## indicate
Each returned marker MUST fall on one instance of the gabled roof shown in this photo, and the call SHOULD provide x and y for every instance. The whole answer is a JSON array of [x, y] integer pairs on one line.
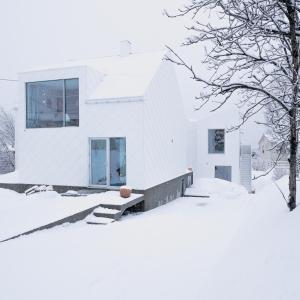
[[268, 137], [123, 77]]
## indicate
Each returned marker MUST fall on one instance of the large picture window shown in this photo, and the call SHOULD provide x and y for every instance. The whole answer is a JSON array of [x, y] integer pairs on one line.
[[53, 103], [216, 140]]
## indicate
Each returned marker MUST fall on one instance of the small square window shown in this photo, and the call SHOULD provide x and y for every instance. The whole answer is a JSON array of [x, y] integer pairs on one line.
[[216, 140]]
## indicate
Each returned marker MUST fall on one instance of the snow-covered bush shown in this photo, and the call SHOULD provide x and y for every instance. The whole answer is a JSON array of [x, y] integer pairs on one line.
[[258, 164], [7, 141]]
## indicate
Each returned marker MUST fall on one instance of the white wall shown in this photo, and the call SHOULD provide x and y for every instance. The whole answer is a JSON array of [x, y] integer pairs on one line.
[[206, 162], [155, 131], [165, 128], [191, 150], [61, 155]]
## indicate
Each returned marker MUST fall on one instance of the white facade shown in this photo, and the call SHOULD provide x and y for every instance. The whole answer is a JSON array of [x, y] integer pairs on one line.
[[164, 128], [129, 96], [204, 163]]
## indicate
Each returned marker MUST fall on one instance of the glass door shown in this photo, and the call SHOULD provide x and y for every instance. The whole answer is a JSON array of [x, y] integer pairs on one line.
[[98, 163], [117, 164], [108, 161]]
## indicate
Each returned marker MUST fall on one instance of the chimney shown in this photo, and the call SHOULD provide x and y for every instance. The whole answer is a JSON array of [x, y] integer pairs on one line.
[[125, 48]]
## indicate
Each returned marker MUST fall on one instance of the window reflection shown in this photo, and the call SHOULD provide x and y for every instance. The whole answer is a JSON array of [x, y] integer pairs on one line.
[[117, 161], [53, 103]]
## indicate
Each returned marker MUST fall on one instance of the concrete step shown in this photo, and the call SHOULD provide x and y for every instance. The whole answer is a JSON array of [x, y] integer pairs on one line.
[[102, 212], [91, 191], [112, 206], [93, 220]]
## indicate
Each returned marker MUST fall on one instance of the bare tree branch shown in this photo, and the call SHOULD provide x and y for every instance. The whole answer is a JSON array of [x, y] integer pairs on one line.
[[253, 56]]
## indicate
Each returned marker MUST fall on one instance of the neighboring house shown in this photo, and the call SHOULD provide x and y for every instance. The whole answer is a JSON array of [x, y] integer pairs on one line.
[[213, 151], [113, 121], [268, 153]]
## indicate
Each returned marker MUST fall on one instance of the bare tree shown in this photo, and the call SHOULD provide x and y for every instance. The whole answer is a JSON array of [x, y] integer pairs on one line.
[[252, 55], [7, 136]]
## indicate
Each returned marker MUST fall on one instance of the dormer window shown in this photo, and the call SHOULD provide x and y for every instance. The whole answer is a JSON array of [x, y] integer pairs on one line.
[[53, 103]]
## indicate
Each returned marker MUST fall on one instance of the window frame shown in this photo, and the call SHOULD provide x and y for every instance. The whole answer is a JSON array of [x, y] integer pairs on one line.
[[208, 150], [63, 104]]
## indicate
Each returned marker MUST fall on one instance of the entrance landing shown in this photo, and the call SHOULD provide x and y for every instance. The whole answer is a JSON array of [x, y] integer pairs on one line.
[[112, 207]]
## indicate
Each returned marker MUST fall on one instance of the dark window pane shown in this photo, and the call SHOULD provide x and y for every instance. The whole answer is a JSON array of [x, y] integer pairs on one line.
[[72, 102], [117, 161], [44, 104], [216, 140]]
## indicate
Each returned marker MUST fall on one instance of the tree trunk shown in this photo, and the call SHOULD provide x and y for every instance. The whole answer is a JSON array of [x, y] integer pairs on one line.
[[293, 21], [293, 160]]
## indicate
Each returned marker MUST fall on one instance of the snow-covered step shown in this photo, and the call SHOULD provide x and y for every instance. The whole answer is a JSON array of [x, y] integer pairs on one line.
[[91, 219], [104, 212]]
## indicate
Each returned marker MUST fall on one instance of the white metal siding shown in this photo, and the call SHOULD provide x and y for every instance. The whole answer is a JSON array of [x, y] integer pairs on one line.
[[191, 151], [165, 128], [206, 162], [61, 155]]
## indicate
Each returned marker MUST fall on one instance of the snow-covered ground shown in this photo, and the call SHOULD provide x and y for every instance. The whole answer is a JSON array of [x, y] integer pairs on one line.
[[231, 246], [20, 213]]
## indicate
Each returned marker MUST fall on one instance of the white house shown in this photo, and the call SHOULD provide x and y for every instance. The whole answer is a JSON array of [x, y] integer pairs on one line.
[[103, 123], [267, 150], [269, 153], [106, 122]]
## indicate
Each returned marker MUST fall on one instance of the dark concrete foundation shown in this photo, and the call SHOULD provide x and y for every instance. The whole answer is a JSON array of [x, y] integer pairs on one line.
[[165, 192]]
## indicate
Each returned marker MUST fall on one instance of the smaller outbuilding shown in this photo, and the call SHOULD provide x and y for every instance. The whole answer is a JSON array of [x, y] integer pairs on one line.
[[216, 151]]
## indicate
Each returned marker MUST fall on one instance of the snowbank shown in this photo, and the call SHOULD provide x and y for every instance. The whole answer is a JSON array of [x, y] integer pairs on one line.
[[217, 187]]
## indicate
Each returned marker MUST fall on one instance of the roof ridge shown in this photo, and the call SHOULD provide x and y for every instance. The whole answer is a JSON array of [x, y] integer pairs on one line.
[[114, 55]]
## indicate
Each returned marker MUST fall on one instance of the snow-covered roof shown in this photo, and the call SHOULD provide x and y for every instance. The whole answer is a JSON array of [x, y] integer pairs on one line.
[[123, 77]]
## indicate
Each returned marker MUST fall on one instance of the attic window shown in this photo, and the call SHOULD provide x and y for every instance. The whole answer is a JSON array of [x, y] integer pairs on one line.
[[53, 103]]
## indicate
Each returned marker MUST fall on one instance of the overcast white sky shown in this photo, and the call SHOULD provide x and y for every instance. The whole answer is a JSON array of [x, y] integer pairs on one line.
[[39, 32]]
